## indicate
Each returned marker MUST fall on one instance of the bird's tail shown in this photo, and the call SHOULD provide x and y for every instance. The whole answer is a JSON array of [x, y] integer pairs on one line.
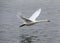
[[22, 25]]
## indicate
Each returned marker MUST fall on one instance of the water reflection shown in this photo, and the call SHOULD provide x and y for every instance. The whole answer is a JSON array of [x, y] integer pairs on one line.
[[24, 38]]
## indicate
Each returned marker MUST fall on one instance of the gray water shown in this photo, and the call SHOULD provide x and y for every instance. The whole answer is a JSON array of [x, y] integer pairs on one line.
[[44, 32]]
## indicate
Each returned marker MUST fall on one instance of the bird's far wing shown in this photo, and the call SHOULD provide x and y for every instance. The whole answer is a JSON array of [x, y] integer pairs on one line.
[[35, 15], [25, 19]]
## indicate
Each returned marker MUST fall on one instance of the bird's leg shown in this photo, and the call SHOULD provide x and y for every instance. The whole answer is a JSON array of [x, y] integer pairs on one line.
[[22, 25]]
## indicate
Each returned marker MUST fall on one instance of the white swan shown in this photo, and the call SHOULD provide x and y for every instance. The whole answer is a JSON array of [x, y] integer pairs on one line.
[[32, 19]]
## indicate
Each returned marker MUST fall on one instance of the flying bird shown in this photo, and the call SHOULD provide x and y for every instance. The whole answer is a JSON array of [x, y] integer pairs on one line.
[[32, 20]]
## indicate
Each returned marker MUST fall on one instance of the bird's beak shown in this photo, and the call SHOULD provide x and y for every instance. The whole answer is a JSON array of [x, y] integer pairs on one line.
[[48, 21]]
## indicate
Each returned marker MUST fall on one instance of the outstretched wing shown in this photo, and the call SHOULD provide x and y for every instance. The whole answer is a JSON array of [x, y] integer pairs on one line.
[[25, 20], [35, 15]]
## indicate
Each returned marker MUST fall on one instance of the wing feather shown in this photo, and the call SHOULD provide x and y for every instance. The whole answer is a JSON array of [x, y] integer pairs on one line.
[[25, 19], [35, 15]]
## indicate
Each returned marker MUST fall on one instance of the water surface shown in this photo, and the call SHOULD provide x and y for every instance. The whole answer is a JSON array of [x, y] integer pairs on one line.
[[10, 32]]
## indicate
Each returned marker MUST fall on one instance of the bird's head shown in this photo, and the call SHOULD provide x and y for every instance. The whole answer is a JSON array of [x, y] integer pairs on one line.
[[47, 20]]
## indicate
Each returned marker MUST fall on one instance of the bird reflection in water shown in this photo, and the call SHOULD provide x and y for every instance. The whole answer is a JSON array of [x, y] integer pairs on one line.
[[27, 39]]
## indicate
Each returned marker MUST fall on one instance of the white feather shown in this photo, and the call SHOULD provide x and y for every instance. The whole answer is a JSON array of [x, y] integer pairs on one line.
[[35, 15], [32, 19]]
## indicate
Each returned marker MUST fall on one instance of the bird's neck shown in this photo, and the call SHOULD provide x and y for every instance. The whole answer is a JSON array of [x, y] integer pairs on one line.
[[43, 20]]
